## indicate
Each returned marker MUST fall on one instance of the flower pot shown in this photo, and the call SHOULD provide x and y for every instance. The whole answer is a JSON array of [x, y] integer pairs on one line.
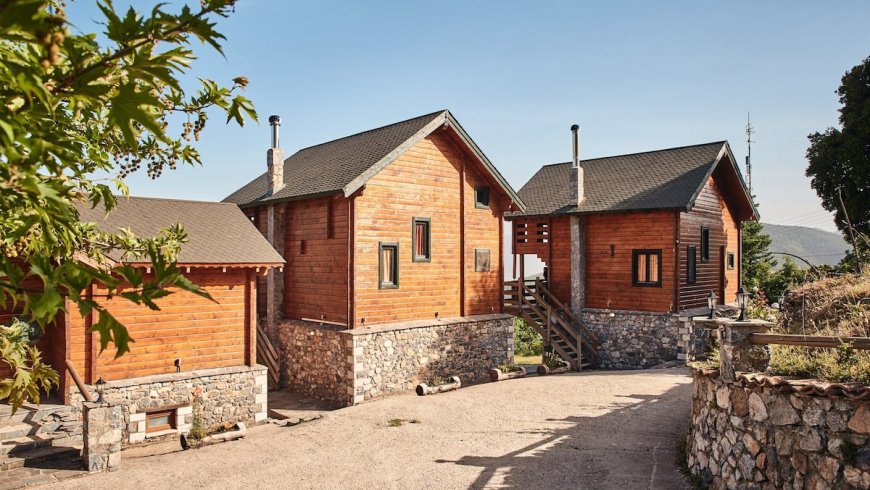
[[423, 389], [544, 370]]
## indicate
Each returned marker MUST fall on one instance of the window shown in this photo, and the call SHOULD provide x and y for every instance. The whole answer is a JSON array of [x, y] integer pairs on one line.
[[330, 220], [730, 260], [705, 244], [482, 261], [422, 240], [691, 265], [646, 267], [159, 421], [481, 197], [388, 265]]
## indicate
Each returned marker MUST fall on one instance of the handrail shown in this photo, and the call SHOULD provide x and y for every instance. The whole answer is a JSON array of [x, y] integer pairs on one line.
[[78, 381], [862, 343], [566, 327], [561, 306]]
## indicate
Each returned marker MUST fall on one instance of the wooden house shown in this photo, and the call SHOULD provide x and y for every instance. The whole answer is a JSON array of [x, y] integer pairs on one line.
[[631, 243], [192, 347], [397, 224]]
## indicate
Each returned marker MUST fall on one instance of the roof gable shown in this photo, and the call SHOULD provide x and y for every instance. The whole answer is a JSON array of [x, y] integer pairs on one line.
[[662, 179], [346, 164], [218, 233]]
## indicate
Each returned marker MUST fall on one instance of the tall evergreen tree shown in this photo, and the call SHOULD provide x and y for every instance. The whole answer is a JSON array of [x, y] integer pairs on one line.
[[758, 262]]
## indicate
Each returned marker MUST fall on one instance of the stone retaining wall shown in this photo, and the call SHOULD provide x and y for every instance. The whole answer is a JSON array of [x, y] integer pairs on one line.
[[758, 436], [350, 366], [636, 339], [227, 395]]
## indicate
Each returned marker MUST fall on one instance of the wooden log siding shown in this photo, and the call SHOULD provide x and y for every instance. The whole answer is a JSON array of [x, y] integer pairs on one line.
[[710, 211], [200, 332], [315, 248], [483, 290], [608, 278]]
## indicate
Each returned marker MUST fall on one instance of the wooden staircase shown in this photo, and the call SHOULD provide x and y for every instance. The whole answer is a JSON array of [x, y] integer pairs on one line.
[[562, 330]]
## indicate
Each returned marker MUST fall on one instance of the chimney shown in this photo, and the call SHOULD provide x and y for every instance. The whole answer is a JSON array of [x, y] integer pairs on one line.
[[275, 159], [577, 192]]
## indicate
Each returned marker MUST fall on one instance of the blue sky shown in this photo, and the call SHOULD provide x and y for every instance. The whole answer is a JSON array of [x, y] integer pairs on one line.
[[636, 75]]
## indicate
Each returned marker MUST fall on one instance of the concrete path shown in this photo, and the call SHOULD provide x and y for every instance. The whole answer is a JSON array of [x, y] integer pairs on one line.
[[593, 430]]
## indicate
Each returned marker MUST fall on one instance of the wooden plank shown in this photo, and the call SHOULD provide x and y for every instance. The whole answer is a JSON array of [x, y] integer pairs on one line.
[[809, 340]]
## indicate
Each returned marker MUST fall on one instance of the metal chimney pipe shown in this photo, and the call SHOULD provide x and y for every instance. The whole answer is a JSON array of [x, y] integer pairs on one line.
[[575, 130], [275, 122]]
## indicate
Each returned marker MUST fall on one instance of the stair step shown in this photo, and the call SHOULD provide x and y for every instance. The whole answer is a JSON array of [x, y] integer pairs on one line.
[[25, 443], [16, 430], [39, 455]]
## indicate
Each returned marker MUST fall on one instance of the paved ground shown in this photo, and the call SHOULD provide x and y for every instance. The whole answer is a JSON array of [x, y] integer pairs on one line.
[[592, 430]]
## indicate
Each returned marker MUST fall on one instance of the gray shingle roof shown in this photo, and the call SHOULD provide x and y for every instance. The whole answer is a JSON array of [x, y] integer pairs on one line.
[[218, 233], [329, 167], [663, 179]]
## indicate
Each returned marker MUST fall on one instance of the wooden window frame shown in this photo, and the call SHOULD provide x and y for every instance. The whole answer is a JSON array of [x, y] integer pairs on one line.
[[477, 201], [691, 264], [381, 247], [730, 261], [428, 256], [477, 267], [705, 244], [149, 429], [634, 255]]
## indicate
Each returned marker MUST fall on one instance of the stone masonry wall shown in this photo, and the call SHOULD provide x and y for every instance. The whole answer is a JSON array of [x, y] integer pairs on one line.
[[350, 366], [636, 339], [227, 395], [316, 360], [753, 435]]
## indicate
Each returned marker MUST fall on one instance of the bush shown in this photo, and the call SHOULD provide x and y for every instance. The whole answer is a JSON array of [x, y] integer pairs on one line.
[[527, 342]]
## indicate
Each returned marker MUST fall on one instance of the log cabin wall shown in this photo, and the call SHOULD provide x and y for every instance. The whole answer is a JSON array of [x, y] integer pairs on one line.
[[609, 274], [483, 231], [315, 248], [259, 216], [202, 333], [710, 211]]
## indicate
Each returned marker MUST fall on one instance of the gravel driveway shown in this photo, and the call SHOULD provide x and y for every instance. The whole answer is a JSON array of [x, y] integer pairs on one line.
[[607, 429]]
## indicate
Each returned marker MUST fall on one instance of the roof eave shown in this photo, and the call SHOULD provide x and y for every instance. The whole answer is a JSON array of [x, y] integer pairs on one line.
[[725, 150]]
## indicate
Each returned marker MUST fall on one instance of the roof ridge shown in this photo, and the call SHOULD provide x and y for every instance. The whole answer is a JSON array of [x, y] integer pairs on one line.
[[641, 152], [151, 198], [369, 131]]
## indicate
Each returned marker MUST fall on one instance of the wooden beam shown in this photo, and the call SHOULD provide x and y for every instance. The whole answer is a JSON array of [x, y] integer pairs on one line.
[[250, 318], [92, 340], [462, 250], [809, 340]]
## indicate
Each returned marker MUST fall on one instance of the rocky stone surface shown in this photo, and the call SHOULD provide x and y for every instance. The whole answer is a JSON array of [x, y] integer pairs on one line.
[[635, 339], [765, 437], [351, 366], [226, 396], [103, 429]]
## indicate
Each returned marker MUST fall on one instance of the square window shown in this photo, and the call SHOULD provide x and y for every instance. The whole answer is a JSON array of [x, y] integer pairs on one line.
[[388, 265], [691, 265], [646, 267], [705, 244], [421, 239], [482, 261], [481, 197], [159, 421], [731, 260]]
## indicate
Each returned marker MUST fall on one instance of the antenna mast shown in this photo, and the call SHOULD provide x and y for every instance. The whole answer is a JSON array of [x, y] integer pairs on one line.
[[749, 131]]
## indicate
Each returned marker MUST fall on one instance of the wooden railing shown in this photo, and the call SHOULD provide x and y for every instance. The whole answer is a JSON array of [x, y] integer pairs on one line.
[[550, 298], [809, 340], [267, 355]]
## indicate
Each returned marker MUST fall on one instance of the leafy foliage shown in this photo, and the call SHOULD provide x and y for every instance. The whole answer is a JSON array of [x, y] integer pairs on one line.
[[527, 342], [758, 263], [839, 159], [72, 108], [30, 375]]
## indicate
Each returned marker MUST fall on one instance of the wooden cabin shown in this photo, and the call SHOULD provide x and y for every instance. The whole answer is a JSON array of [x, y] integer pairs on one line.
[[396, 224], [635, 236], [190, 341]]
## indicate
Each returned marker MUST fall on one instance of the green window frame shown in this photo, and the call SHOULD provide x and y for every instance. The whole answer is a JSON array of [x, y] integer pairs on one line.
[[388, 265], [421, 239]]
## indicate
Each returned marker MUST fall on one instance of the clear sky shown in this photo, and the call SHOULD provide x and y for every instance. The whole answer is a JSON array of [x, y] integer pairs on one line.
[[636, 75]]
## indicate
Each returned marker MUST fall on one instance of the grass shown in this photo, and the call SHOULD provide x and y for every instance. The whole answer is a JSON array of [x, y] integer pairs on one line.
[[400, 422], [534, 360]]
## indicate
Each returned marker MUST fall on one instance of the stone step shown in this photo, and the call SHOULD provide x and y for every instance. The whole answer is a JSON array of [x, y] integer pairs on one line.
[[17, 430], [39, 455], [25, 443], [35, 413]]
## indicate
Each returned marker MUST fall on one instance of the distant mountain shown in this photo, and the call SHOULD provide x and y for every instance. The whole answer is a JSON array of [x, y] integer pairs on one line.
[[817, 246]]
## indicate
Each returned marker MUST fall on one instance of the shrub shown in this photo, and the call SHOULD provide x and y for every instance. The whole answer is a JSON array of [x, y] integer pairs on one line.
[[527, 342]]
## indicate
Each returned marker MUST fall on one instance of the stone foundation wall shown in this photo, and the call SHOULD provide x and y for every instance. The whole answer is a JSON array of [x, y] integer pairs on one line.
[[316, 360], [226, 395], [752, 435], [636, 339], [350, 366]]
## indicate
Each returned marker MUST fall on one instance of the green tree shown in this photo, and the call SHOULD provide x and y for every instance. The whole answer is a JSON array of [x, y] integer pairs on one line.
[[78, 106], [839, 160], [758, 263], [783, 279]]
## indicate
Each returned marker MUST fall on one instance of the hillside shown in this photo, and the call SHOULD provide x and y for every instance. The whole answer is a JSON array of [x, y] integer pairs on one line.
[[817, 246]]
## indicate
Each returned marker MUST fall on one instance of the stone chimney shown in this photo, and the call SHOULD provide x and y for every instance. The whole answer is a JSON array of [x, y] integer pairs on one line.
[[275, 159], [577, 190]]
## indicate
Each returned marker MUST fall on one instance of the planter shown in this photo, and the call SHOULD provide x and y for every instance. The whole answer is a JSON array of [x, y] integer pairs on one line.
[[423, 389], [499, 375], [544, 370], [238, 432]]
